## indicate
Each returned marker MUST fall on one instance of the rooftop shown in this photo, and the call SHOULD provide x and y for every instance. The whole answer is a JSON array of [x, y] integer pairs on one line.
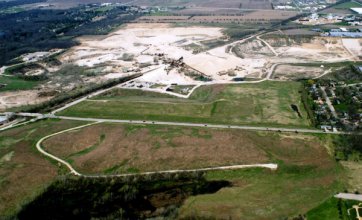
[[358, 10]]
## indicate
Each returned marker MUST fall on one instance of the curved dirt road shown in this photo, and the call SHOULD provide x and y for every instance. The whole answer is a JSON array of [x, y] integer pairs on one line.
[[40, 149]]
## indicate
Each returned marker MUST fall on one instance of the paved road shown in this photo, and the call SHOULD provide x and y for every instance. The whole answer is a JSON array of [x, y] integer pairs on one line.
[[241, 127], [329, 103], [95, 93], [75, 172], [253, 128], [349, 196], [15, 123]]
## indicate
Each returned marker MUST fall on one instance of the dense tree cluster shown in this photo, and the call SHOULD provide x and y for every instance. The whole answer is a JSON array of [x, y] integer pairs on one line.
[[130, 197], [45, 29]]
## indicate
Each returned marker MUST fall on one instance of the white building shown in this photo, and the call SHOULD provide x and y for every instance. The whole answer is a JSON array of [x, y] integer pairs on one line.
[[357, 10]]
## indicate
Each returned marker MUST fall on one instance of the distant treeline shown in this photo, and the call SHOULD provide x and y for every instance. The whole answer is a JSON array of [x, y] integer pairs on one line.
[[8, 4], [39, 30]]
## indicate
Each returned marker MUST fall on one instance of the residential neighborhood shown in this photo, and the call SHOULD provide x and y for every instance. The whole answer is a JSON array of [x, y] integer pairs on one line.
[[336, 105]]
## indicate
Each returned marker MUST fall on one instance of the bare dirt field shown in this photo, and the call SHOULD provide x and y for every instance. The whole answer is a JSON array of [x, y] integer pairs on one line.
[[254, 49], [111, 148], [151, 47], [140, 46], [137, 40], [291, 72], [354, 46], [308, 49], [19, 98]]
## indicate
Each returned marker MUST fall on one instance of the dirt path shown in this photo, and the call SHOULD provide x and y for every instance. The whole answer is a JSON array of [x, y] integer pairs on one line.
[[325, 73], [350, 196], [268, 45], [40, 149]]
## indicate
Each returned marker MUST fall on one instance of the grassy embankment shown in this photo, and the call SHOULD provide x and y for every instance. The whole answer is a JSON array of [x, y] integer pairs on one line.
[[348, 5], [264, 104], [25, 173], [14, 83]]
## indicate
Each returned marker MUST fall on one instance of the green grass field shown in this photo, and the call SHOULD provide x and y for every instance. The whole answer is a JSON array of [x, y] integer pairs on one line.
[[334, 209], [267, 103], [24, 172], [307, 174], [348, 5], [176, 147], [13, 84], [12, 10], [262, 194]]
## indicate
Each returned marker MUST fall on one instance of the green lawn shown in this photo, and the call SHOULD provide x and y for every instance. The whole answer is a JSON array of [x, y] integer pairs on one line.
[[267, 103], [13, 84]]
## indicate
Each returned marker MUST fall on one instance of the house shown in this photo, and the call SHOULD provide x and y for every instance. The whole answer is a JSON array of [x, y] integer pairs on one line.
[[326, 127]]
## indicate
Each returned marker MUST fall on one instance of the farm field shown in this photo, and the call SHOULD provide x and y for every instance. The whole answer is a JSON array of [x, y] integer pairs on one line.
[[237, 4], [305, 167], [262, 16], [138, 148], [24, 173], [267, 103]]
